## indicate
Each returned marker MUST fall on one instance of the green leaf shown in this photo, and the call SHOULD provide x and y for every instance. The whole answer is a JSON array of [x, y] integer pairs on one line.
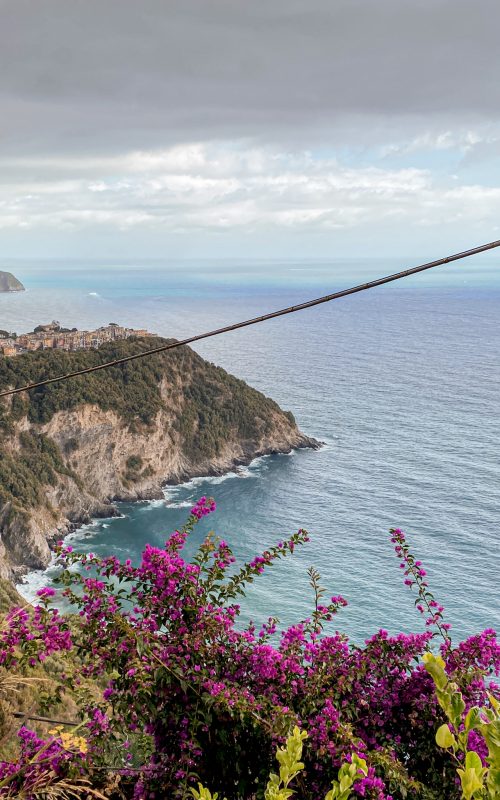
[[445, 738], [470, 781], [473, 718], [457, 707], [494, 702], [472, 761], [493, 782], [435, 667], [360, 763]]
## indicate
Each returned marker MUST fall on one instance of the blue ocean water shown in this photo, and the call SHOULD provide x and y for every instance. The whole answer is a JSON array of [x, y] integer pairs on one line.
[[401, 383]]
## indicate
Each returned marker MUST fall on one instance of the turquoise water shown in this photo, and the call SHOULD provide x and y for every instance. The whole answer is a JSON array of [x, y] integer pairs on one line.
[[402, 384]]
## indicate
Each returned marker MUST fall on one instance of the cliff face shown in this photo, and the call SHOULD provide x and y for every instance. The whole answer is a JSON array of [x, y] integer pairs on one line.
[[60, 471], [8, 283]]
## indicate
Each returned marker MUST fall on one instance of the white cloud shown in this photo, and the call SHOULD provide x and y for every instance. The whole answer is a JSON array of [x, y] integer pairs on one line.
[[462, 141], [215, 187]]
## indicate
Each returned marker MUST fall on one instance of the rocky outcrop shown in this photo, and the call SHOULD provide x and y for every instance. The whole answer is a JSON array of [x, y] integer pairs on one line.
[[101, 456], [8, 283]]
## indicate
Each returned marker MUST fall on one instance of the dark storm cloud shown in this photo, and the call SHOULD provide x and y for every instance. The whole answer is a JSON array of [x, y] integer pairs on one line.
[[89, 76]]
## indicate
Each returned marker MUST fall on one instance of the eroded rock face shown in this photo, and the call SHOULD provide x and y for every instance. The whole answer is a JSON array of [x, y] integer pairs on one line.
[[107, 459]]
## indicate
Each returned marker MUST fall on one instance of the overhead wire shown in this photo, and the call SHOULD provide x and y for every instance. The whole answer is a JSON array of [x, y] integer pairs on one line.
[[38, 718], [255, 320]]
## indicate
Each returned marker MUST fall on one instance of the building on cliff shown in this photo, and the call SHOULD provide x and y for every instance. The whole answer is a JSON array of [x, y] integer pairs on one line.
[[53, 337]]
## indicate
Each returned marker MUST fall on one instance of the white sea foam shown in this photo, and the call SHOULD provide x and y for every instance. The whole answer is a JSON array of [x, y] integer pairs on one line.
[[244, 472], [39, 578], [214, 480], [36, 580], [148, 504], [84, 532], [31, 583], [329, 442]]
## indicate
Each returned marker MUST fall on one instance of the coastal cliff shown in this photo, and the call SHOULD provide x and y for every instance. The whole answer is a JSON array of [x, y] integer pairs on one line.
[[69, 450], [9, 283]]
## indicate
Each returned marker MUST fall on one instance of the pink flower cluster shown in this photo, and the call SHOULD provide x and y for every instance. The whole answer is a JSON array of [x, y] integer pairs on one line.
[[202, 507], [32, 634], [415, 575], [186, 672], [40, 761]]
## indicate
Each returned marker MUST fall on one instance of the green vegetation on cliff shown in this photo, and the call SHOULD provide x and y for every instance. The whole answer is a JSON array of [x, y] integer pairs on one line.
[[9, 598], [205, 409], [25, 472], [213, 398]]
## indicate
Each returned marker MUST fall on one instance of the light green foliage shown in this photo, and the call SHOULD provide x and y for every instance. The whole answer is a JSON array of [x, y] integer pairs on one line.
[[490, 730], [203, 794], [290, 765], [445, 738], [477, 782], [348, 774], [472, 776]]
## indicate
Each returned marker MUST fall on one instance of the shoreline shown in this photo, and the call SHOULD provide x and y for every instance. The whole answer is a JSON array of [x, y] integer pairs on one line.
[[28, 577]]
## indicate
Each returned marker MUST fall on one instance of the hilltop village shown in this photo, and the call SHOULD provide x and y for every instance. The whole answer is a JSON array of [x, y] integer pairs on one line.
[[54, 337]]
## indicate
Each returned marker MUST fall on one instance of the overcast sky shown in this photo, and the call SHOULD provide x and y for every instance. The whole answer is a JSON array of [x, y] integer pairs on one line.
[[269, 128]]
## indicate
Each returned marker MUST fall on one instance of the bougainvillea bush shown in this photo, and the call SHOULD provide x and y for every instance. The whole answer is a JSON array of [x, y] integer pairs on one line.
[[187, 696]]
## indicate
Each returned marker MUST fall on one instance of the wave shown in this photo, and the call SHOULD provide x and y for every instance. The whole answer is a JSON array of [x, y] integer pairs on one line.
[[329, 443], [240, 472], [91, 528], [36, 580], [147, 504], [174, 497]]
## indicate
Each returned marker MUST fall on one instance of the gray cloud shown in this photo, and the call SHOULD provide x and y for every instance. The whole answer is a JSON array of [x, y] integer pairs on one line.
[[89, 76], [292, 125]]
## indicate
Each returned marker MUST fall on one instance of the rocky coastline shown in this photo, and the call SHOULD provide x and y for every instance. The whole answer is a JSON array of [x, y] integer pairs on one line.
[[63, 469], [109, 510], [74, 517]]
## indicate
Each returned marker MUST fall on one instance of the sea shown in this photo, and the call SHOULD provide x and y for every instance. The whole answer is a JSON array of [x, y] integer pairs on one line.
[[402, 386]]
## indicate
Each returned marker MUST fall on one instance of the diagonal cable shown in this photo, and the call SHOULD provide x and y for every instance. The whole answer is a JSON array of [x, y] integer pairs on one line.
[[362, 287]]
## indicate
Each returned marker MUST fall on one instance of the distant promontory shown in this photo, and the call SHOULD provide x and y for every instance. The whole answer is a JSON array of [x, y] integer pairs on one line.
[[8, 283]]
